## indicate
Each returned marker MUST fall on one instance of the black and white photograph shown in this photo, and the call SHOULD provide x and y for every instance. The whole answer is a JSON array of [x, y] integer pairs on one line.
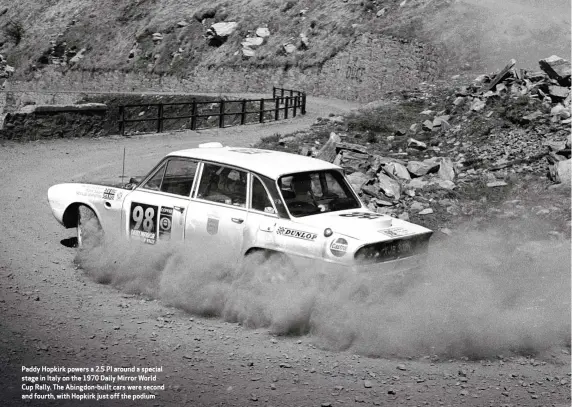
[[285, 203]]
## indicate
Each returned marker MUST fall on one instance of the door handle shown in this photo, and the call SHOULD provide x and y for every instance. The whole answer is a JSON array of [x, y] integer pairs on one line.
[[237, 220], [179, 208]]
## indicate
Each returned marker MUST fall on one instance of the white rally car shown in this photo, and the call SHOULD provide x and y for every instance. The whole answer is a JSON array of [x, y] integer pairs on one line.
[[246, 200]]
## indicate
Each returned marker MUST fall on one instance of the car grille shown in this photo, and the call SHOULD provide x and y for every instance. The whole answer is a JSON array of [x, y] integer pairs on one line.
[[393, 249]]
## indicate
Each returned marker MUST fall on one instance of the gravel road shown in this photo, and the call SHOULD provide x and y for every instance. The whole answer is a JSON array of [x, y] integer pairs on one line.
[[54, 315]]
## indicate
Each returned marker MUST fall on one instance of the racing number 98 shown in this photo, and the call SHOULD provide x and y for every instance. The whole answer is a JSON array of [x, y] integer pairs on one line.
[[143, 217]]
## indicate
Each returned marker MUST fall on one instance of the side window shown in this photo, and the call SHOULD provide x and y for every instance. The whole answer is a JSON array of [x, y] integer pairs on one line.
[[223, 184], [260, 200], [154, 183], [179, 176]]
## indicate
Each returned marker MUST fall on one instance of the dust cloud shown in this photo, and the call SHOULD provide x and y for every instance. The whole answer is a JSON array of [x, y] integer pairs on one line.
[[486, 34], [480, 295]]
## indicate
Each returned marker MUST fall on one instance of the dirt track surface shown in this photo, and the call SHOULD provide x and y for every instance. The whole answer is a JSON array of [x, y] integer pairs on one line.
[[53, 315]]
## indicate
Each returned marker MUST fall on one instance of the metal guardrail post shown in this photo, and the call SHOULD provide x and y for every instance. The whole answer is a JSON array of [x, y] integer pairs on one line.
[[286, 107], [122, 120], [274, 92], [221, 114], [295, 106], [159, 118], [282, 94], [303, 108], [243, 112], [261, 117], [194, 115], [277, 109]]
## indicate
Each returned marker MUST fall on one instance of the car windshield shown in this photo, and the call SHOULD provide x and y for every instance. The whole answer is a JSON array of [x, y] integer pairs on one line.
[[309, 193]]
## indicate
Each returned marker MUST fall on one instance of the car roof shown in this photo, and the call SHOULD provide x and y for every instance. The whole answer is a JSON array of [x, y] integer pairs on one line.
[[270, 163]]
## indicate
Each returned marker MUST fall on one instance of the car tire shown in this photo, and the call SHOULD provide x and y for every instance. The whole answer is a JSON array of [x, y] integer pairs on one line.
[[89, 231]]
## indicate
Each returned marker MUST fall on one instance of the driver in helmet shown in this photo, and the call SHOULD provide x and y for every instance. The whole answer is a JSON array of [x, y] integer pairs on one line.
[[302, 187]]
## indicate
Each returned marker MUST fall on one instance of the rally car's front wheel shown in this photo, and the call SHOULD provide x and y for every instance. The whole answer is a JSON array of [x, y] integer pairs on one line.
[[266, 266], [89, 232]]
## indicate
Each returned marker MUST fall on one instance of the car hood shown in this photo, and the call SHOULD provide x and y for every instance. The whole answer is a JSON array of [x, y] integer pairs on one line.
[[364, 225]]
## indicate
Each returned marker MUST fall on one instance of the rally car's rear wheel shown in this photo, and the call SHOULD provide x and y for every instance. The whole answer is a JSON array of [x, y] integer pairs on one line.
[[89, 232]]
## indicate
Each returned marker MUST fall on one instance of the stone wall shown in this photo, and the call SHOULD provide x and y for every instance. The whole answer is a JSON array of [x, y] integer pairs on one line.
[[55, 121], [366, 69]]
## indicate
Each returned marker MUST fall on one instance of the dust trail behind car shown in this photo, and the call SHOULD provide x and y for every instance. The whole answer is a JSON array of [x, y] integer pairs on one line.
[[480, 295]]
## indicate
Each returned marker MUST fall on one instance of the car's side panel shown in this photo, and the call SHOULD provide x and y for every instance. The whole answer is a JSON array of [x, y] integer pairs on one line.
[[216, 226]]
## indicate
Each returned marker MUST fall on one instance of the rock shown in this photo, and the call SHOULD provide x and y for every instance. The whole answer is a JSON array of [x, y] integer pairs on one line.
[[182, 24], [460, 100], [559, 92], [561, 172], [157, 37], [477, 105], [389, 186], [414, 127], [494, 184], [367, 384], [328, 151], [428, 125], [416, 206], [427, 112], [404, 216], [399, 170], [262, 32], [351, 146], [446, 169], [357, 180], [304, 41], [437, 121], [285, 365], [353, 161], [426, 211], [248, 52], [252, 42], [224, 29], [417, 183], [446, 231], [77, 56], [381, 12], [556, 68], [445, 184], [374, 192], [533, 116], [411, 142], [560, 112], [289, 48], [419, 168]]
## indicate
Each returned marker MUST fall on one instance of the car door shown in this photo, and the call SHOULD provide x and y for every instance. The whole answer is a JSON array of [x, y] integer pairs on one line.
[[157, 208], [217, 213], [262, 217]]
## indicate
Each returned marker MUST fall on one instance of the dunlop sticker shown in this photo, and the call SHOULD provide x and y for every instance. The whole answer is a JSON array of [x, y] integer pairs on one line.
[[296, 233]]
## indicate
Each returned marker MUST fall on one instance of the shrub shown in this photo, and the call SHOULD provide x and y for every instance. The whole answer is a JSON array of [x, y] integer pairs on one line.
[[14, 31]]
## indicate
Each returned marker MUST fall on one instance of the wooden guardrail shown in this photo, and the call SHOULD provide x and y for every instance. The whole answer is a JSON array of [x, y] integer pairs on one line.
[[203, 114]]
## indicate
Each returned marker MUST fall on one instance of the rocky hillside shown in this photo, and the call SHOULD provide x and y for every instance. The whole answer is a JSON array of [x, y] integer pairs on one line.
[[492, 151], [354, 49]]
